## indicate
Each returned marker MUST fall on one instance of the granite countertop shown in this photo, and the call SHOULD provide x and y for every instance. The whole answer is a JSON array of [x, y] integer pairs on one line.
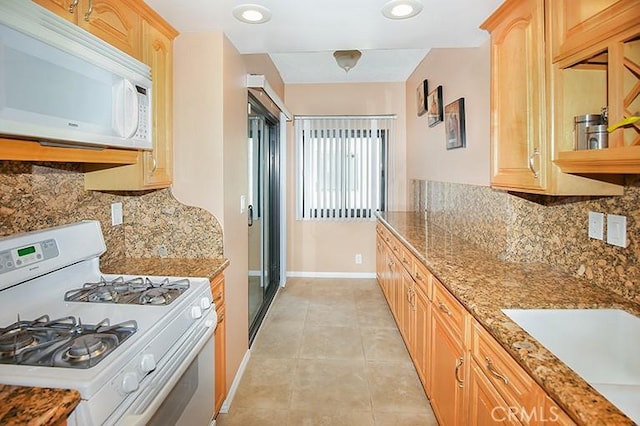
[[43, 406], [177, 267], [485, 285], [22, 405]]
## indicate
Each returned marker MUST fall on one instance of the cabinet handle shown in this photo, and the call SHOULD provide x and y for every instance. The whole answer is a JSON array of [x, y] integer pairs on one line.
[[459, 363], [73, 5], [418, 276], [494, 372], [218, 297], [155, 163], [531, 166], [444, 308], [220, 318], [89, 11]]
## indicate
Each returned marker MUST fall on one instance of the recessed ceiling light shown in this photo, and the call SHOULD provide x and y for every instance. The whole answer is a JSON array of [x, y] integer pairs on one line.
[[401, 9], [252, 13]]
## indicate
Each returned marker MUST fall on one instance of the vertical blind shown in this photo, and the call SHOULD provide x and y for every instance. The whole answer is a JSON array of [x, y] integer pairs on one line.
[[342, 166]]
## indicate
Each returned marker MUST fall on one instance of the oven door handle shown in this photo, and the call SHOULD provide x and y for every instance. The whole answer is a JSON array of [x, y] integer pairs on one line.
[[162, 384]]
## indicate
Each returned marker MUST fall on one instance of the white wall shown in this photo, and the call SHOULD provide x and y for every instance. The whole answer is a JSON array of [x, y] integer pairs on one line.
[[463, 72]]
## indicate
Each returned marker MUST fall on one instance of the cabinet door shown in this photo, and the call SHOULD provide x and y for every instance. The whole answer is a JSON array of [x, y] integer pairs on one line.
[[518, 113], [61, 8], [220, 337], [407, 310], [486, 406], [422, 343], [113, 21], [447, 374], [158, 54]]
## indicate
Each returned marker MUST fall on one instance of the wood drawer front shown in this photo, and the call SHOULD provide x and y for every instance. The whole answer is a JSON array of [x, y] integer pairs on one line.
[[217, 290], [516, 387], [423, 278], [448, 308]]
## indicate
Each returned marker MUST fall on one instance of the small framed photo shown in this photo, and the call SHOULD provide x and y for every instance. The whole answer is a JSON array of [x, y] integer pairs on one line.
[[454, 124], [421, 95], [434, 106]]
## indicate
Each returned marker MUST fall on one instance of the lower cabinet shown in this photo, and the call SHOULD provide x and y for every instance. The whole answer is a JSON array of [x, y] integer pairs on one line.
[[220, 337], [468, 376], [447, 373]]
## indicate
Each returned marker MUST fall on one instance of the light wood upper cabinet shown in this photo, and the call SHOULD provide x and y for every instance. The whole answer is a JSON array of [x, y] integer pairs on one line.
[[114, 21], [526, 103], [153, 169], [517, 96], [597, 63]]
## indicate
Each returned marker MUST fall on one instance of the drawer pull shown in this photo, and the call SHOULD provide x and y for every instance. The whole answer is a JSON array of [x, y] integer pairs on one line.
[[220, 319], [444, 308], [459, 363], [494, 372], [218, 297], [418, 276]]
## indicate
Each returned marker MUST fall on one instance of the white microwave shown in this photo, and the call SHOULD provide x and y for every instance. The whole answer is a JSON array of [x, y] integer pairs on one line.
[[61, 85]]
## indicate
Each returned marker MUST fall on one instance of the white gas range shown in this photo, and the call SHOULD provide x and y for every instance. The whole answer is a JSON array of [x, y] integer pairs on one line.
[[138, 349]]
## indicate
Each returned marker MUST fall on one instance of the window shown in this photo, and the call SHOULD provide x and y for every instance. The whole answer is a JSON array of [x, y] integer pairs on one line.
[[342, 166]]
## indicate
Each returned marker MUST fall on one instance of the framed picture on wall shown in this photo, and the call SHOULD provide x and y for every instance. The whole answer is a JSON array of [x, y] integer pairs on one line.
[[421, 96], [434, 106], [454, 124]]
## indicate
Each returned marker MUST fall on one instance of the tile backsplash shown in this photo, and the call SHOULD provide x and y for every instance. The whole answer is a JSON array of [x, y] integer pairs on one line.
[[40, 195], [551, 230]]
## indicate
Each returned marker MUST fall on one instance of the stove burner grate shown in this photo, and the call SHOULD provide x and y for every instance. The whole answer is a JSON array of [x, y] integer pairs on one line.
[[64, 342], [141, 291]]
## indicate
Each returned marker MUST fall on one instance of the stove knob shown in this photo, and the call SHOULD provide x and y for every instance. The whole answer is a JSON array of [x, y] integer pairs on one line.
[[205, 303], [147, 363], [196, 312], [129, 382]]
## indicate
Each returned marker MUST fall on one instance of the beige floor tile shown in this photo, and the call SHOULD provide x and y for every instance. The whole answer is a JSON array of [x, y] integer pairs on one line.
[[374, 314], [289, 309], [329, 417], [331, 342], [278, 339], [384, 344], [330, 384], [266, 383], [395, 387], [338, 313], [424, 418], [253, 417]]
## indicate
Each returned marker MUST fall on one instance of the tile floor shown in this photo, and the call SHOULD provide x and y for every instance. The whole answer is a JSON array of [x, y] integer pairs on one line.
[[329, 353]]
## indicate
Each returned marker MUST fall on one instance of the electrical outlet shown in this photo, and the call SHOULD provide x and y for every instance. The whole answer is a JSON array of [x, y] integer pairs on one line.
[[358, 259], [116, 214], [596, 225], [617, 230]]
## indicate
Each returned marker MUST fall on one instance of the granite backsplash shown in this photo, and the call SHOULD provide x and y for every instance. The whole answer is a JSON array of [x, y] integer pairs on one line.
[[40, 195], [552, 230]]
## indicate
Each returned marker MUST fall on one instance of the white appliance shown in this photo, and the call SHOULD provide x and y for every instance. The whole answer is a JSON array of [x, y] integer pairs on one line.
[[140, 350], [60, 84]]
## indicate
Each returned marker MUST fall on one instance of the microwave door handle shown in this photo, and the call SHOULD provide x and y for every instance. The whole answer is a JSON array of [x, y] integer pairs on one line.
[[131, 110]]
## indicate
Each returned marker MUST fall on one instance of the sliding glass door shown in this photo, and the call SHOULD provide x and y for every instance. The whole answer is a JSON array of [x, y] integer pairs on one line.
[[263, 212]]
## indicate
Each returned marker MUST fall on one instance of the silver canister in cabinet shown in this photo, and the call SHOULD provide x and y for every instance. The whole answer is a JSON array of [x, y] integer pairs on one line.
[[580, 124], [597, 136]]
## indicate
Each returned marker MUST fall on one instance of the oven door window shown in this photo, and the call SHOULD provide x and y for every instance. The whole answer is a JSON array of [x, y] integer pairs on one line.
[[177, 401]]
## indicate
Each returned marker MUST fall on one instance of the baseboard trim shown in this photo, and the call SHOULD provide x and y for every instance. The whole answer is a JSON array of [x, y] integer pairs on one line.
[[226, 405], [303, 274]]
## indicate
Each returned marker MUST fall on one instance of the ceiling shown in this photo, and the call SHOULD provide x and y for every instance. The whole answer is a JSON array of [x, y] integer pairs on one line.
[[302, 34]]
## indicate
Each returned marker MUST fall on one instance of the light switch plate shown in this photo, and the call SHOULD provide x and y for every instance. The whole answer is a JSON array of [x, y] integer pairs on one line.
[[596, 225], [116, 214], [617, 230]]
